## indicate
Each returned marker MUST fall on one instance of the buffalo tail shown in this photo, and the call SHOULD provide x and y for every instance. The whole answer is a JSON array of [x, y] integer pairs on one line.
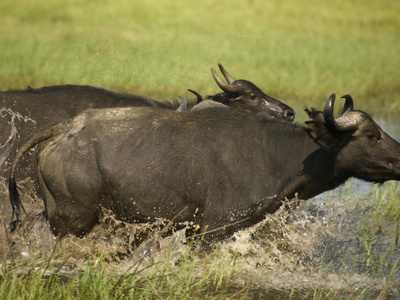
[[12, 185]]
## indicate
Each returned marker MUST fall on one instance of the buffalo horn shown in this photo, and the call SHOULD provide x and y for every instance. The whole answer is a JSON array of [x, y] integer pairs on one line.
[[183, 105], [346, 121], [227, 76], [228, 88], [198, 95], [349, 104], [328, 111]]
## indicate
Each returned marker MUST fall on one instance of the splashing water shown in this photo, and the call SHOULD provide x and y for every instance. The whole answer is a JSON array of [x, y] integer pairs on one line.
[[7, 146]]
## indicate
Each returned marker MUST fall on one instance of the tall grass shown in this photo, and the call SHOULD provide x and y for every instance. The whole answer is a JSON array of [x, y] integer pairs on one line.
[[298, 51], [189, 277]]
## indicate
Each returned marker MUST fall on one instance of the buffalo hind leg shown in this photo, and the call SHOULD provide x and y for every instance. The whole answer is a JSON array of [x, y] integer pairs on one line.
[[64, 219]]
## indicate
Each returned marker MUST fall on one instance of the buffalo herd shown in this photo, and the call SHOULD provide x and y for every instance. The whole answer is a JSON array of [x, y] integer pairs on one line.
[[222, 164]]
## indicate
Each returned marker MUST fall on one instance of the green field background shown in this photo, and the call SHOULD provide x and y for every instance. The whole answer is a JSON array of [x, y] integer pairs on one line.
[[298, 51]]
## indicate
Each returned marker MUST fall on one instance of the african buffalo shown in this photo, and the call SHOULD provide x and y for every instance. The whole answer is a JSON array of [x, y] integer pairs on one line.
[[219, 168]]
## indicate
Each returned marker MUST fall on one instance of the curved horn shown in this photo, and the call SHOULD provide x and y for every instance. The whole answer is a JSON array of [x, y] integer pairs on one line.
[[328, 111], [198, 95], [228, 88], [183, 105], [227, 76], [349, 104], [345, 122]]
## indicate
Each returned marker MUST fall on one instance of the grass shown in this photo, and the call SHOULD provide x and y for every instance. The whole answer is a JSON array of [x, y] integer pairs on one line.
[[189, 277], [380, 228], [297, 51]]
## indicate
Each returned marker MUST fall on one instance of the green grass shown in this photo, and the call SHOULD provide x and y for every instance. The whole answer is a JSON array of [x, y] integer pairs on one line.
[[380, 230], [189, 277], [298, 51]]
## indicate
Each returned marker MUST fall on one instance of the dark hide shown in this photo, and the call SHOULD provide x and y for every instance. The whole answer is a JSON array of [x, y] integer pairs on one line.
[[216, 166]]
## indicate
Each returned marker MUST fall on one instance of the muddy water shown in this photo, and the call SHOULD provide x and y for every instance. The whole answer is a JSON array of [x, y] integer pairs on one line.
[[315, 245]]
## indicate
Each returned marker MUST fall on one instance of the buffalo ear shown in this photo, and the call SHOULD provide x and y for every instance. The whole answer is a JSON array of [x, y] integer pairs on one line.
[[318, 131]]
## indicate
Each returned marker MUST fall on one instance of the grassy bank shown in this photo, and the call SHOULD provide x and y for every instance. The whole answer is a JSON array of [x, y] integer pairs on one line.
[[298, 51]]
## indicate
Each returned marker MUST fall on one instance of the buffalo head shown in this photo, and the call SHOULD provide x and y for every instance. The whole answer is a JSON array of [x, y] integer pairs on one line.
[[245, 95], [362, 148]]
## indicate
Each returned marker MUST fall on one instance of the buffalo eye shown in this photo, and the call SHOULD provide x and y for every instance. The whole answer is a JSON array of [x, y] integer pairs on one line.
[[372, 136], [253, 96]]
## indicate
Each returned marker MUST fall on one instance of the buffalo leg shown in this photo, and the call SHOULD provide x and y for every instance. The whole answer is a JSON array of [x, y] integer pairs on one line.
[[65, 219]]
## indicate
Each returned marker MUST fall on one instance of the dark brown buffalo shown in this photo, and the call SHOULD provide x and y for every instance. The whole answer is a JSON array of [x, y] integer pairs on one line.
[[214, 167]]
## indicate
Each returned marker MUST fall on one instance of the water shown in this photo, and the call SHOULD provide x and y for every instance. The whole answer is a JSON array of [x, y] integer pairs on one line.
[[7, 145], [336, 241]]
